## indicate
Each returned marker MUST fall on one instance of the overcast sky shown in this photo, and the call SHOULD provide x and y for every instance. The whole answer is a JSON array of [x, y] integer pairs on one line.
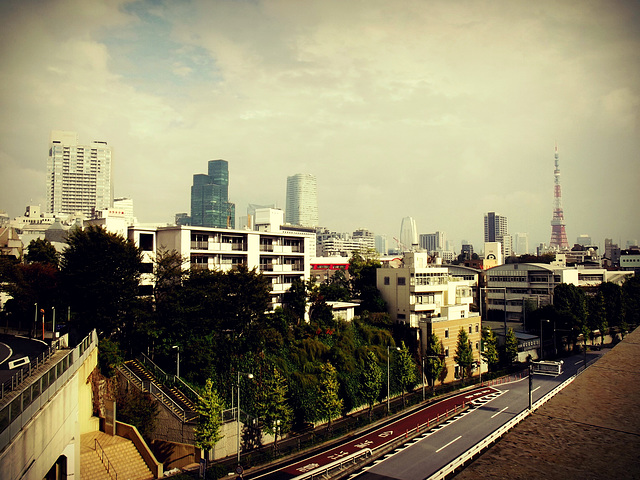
[[440, 110]]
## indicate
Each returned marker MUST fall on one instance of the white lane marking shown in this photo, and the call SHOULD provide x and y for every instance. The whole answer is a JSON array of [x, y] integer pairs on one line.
[[445, 446], [579, 361], [8, 356], [535, 389], [496, 414]]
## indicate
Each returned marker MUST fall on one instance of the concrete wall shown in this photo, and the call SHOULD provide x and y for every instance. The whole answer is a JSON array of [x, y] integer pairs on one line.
[[53, 430]]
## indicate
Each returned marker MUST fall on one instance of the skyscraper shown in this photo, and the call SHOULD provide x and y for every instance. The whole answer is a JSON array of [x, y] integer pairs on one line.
[[433, 242], [408, 234], [558, 233], [302, 200], [496, 230], [78, 176], [210, 206]]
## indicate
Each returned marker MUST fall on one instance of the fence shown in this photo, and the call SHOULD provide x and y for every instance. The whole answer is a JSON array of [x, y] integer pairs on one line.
[[496, 434], [24, 405]]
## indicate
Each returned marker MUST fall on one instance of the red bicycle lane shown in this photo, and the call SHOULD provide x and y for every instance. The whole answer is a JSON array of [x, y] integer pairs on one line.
[[421, 419]]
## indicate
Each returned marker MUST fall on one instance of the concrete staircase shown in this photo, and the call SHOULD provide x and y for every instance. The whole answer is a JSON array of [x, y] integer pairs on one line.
[[170, 397], [99, 452]]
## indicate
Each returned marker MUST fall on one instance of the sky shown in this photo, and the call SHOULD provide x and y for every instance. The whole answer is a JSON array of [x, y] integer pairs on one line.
[[439, 110]]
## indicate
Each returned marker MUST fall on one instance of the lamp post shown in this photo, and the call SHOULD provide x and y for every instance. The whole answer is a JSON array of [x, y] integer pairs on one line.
[[53, 326], [249, 375], [35, 320], [388, 376], [177, 347]]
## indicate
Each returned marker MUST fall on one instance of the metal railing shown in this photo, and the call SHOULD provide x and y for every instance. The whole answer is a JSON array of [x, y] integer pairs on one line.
[[169, 380], [21, 407], [24, 373], [103, 456]]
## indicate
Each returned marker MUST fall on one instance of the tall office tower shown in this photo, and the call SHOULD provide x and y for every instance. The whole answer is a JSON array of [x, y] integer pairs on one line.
[[584, 240], [521, 243], [496, 230], [467, 251], [381, 245], [433, 242], [302, 200], [210, 206], [408, 234], [78, 176], [558, 233]]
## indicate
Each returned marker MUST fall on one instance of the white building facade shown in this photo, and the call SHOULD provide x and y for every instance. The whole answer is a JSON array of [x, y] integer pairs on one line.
[[282, 256], [79, 177], [302, 200]]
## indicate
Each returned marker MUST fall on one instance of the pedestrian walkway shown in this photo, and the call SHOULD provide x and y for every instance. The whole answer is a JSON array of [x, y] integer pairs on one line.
[[116, 453]]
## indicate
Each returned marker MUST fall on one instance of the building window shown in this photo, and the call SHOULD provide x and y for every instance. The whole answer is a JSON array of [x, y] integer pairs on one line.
[[401, 316], [470, 328], [386, 280], [146, 267], [401, 281], [477, 346], [146, 242], [446, 352], [446, 333], [477, 328]]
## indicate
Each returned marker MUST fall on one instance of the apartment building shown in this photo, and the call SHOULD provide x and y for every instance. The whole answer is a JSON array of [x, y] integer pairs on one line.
[[282, 256]]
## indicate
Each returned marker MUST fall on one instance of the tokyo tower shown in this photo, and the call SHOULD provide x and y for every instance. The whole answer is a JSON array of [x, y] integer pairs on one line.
[[558, 234]]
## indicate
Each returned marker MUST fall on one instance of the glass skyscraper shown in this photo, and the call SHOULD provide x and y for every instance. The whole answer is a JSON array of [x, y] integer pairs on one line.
[[210, 206], [302, 200]]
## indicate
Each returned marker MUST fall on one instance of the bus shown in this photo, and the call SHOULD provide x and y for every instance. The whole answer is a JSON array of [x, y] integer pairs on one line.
[[547, 367]]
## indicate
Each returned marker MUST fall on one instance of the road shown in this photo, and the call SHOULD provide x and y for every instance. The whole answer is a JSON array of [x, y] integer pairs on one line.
[[430, 452], [491, 407]]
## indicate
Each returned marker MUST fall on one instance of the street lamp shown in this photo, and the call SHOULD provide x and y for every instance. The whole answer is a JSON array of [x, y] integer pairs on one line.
[[177, 347], [249, 375], [388, 389]]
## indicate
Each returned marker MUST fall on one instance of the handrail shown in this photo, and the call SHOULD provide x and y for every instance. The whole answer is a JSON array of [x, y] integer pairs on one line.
[[195, 394], [104, 457], [169, 379], [132, 373], [155, 369], [160, 395]]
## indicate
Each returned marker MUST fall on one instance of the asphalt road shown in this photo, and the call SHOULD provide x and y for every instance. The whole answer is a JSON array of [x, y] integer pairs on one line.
[[13, 347], [430, 452]]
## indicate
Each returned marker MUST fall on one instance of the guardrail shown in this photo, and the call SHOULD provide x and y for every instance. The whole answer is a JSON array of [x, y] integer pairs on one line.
[[20, 409], [29, 367], [169, 380], [499, 432], [103, 456]]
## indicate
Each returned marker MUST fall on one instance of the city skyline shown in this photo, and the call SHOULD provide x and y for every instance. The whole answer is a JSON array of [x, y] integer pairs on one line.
[[437, 111]]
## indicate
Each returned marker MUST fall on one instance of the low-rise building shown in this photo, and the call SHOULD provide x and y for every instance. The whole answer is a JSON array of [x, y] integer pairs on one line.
[[430, 299]]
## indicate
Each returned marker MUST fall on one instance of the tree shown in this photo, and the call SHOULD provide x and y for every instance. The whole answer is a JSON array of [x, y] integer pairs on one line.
[[405, 371], [109, 357], [598, 316], [490, 348], [209, 407], [42, 251], [434, 362], [371, 380], [138, 409], [100, 274], [295, 299], [511, 346], [329, 401], [464, 353], [362, 270], [272, 406], [631, 299], [336, 288], [571, 305]]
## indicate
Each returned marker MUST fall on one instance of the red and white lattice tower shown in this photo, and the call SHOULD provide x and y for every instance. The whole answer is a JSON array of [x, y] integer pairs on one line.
[[558, 234]]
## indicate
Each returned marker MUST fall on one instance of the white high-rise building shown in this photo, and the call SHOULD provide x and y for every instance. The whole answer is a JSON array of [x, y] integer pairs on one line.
[[302, 200], [408, 234], [434, 242], [78, 176], [521, 243], [496, 230]]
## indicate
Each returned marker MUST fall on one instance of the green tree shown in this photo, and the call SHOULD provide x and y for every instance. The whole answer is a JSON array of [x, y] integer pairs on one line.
[[434, 363], [295, 300], [42, 251], [100, 274], [329, 401], [272, 406], [598, 316], [631, 299], [511, 346], [138, 409], [109, 357], [336, 288], [571, 306], [464, 353], [490, 348], [209, 407], [405, 371], [371, 380], [362, 271]]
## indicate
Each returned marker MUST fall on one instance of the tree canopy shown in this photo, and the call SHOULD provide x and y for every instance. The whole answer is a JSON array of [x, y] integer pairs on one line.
[[464, 354]]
